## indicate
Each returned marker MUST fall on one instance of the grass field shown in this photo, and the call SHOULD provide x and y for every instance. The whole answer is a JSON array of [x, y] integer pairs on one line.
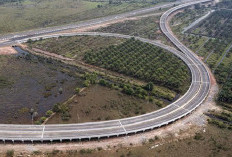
[[98, 103], [31, 14]]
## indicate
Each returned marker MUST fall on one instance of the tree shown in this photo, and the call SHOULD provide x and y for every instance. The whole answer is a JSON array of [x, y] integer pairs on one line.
[[49, 113], [149, 86], [77, 90]]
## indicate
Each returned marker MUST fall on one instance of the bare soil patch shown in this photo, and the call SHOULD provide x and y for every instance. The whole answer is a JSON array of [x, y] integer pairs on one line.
[[7, 51]]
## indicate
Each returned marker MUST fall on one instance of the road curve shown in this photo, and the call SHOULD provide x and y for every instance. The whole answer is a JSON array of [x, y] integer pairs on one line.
[[195, 95]]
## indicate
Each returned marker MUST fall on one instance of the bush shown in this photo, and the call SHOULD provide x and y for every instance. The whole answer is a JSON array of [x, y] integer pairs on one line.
[[65, 116], [42, 119], [149, 86], [102, 82], [10, 153], [36, 152], [86, 151], [49, 113], [198, 136], [37, 122], [56, 107], [61, 90], [86, 83], [77, 90]]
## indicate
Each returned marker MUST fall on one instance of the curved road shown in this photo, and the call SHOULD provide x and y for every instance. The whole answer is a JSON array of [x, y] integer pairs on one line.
[[196, 94]]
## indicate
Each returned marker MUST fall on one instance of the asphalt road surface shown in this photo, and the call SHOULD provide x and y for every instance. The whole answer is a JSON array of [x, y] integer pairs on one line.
[[194, 97]]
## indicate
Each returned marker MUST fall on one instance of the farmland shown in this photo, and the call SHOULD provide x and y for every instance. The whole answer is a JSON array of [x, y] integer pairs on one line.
[[142, 61]]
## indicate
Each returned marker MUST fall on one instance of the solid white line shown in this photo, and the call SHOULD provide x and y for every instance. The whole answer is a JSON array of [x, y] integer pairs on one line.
[[43, 132], [122, 126], [201, 82]]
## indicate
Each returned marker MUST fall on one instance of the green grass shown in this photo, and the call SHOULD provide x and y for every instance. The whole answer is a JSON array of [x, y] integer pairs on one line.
[[36, 14]]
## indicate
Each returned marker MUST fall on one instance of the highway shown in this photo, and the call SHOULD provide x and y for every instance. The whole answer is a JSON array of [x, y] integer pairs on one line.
[[82, 24], [194, 97]]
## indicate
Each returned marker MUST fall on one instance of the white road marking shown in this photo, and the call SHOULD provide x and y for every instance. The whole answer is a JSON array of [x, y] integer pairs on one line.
[[43, 132], [122, 126]]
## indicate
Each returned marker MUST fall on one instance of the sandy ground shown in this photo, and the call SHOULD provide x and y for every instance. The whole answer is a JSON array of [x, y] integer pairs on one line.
[[7, 51]]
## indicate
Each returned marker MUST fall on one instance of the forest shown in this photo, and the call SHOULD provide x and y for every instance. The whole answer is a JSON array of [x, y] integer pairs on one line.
[[143, 61]]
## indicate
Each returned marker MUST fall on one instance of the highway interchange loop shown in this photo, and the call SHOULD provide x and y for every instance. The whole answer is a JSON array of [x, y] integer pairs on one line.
[[194, 97]]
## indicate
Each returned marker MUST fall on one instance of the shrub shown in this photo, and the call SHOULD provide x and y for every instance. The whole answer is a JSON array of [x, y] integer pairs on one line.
[[99, 148], [47, 94], [102, 82], [42, 119], [65, 116], [56, 107], [36, 152], [86, 151], [60, 90], [77, 90], [49, 113], [37, 122], [198, 136], [149, 86], [86, 83], [10, 153]]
